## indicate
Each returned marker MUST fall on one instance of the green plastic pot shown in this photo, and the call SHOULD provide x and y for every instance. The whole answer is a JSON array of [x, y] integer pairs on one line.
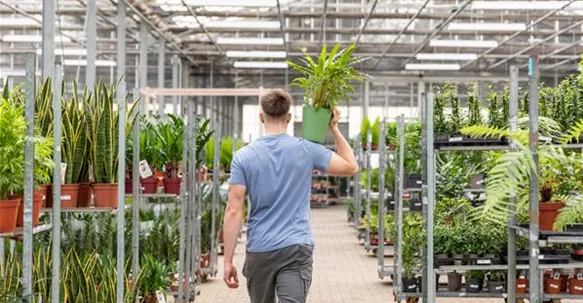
[[315, 124]]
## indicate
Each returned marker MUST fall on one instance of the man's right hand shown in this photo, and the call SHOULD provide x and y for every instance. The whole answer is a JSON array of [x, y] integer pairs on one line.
[[231, 277], [335, 118]]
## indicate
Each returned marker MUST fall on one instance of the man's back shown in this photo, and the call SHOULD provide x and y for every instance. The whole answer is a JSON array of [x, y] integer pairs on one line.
[[277, 172]]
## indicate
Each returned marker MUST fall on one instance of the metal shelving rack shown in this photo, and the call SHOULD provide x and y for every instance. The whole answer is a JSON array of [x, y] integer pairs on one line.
[[533, 234]]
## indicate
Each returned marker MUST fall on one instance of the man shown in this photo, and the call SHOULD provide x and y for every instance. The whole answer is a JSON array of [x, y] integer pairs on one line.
[[276, 171]]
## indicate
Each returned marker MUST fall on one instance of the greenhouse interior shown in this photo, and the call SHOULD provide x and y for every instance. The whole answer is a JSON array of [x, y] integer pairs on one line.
[[120, 121]]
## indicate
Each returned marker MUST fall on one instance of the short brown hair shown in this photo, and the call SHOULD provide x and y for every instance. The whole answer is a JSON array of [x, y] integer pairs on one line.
[[276, 103]]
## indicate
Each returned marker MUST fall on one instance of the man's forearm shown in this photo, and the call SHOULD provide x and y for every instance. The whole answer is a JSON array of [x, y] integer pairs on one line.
[[231, 230], [343, 149]]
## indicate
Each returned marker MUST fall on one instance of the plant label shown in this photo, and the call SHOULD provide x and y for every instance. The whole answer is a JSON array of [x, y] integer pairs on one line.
[[455, 139], [66, 197], [145, 170], [484, 262], [557, 276], [580, 276], [160, 297], [63, 171]]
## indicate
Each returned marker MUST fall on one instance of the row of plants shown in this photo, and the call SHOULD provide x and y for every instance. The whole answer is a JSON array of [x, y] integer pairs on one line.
[[225, 152]]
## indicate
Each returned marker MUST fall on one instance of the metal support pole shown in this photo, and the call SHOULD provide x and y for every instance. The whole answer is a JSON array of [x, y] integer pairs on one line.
[[215, 201], [121, 46], [356, 185], [121, 173], [193, 194], [513, 112], [30, 69], [56, 236], [161, 64], [423, 109], [368, 184], [381, 200], [534, 277], [183, 209], [430, 202], [48, 39], [174, 62], [136, 193], [189, 206], [90, 70], [398, 272]]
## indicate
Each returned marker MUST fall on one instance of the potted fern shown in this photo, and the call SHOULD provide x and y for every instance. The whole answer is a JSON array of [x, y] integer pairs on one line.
[[325, 82]]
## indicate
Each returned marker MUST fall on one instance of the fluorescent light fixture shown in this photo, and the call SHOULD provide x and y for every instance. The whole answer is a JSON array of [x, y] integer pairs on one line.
[[256, 54], [464, 43], [83, 62], [250, 41], [443, 56], [243, 24], [66, 52], [240, 3], [31, 39], [18, 22], [503, 27], [517, 5], [259, 64], [426, 66]]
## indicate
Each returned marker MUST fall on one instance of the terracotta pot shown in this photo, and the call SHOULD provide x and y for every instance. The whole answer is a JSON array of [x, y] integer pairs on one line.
[[105, 194], [49, 199], [202, 175], [552, 286], [521, 285], [160, 175], [37, 203], [575, 286], [205, 260], [564, 283], [149, 185], [69, 195], [548, 212], [129, 186], [172, 185], [84, 197], [151, 298], [44, 189], [8, 214]]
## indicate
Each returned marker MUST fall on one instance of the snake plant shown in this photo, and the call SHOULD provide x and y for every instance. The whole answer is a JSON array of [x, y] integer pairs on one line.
[[75, 139]]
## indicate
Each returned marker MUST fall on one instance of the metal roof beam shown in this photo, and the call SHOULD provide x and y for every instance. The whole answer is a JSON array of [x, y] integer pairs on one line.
[[438, 29], [555, 52], [539, 20], [366, 21], [401, 33], [281, 24], [322, 23]]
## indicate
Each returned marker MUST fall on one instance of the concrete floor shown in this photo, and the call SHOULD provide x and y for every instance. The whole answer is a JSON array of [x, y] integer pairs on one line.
[[343, 271]]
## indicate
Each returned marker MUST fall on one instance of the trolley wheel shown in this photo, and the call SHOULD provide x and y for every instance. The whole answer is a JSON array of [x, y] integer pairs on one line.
[[374, 251]]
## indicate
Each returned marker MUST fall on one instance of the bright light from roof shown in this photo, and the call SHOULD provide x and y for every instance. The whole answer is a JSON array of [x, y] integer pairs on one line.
[[242, 24], [503, 27], [243, 3], [517, 5], [260, 64], [256, 54], [444, 56], [464, 43], [83, 62], [250, 41], [18, 22], [31, 39], [66, 52], [427, 66]]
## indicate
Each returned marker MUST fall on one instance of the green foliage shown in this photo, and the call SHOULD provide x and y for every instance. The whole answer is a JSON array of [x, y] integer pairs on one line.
[[456, 121], [327, 80], [74, 145], [150, 145], [414, 238], [376, 131], [475, 115], [364, 127], [170, 136], [155, 276], [572, 213], [226, 151]]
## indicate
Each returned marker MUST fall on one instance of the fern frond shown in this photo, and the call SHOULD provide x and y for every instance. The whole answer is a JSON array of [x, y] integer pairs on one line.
[[573, 133], [483, 131]]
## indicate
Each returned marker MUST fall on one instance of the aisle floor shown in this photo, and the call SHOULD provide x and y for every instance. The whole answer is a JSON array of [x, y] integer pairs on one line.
[[343, 271]]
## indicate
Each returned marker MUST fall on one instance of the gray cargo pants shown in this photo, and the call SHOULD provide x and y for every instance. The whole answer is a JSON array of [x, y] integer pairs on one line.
[[286, 272]]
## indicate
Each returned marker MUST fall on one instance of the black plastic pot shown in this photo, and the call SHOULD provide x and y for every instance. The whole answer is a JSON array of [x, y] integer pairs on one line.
[[454, 281], [415, 205], [390, 205], [458, 259], [413, 181], [574, 227], [496, 287], [409, 285], [420, 284], [474, 285]]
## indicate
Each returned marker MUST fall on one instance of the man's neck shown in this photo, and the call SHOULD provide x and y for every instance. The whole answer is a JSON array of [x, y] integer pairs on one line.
[[271, 130]]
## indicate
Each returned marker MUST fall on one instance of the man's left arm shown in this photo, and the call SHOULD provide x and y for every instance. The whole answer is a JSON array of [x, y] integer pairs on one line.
[[231, 229]]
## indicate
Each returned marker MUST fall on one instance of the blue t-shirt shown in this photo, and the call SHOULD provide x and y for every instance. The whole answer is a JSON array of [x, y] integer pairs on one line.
[[277, 171]]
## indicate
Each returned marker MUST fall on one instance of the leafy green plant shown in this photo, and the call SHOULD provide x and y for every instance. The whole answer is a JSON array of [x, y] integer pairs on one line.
[[364, 127], [170, 135], [150, 145], [74, 144], [475, 115], [327, 80], [376, 131], [413, 240], [226, 151], [102, 128], [203, 136], [572, 213], [456, 121], [155, 277], [439, 118]]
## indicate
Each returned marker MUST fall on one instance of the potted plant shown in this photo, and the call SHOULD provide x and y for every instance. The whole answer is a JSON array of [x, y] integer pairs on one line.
[[152, 149], [474, 281], [496, 282], [376, 134], [552, 283], [74, 150], [170, 136], [548, 207], [155, 278], [325, 81], [364, 127], [226, 151], [521, 284], [576, 284], [102, 126], [412, 243]]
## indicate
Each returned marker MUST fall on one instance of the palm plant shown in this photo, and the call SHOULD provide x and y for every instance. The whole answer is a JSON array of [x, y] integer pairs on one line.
[[364, 127], [327, 80], [170, 135], [150, 145], [155, 277]]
